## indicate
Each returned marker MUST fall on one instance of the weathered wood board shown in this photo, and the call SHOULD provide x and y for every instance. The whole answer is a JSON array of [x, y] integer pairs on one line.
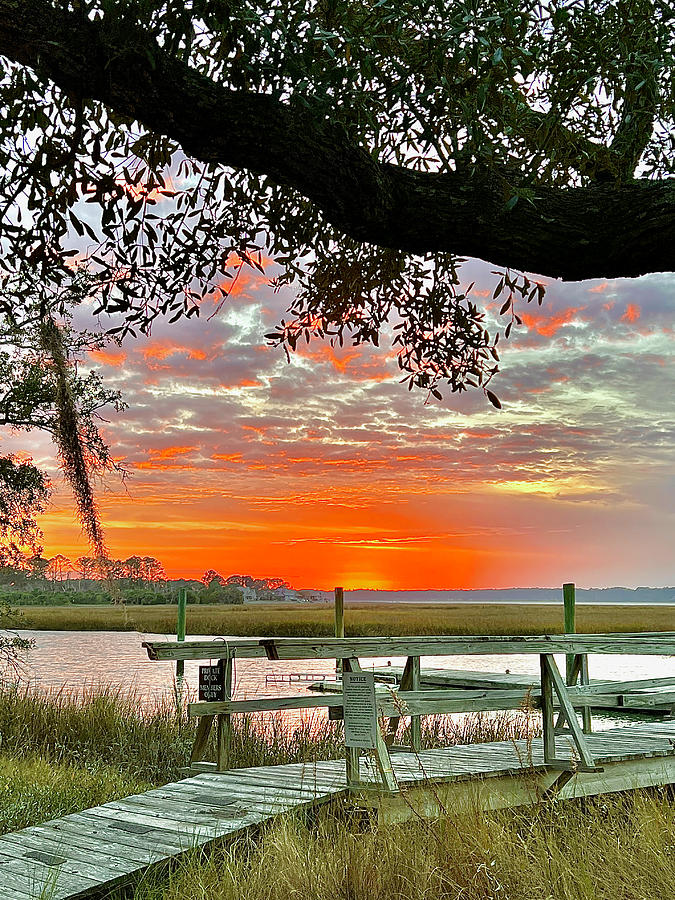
[[636, 695], [109, 845], [648, 643]]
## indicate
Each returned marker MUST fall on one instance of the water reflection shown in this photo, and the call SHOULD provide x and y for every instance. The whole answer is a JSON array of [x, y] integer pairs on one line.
[[70, 661]]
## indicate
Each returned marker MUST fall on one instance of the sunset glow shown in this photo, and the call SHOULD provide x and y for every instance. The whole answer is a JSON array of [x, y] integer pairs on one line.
[[327, 470]]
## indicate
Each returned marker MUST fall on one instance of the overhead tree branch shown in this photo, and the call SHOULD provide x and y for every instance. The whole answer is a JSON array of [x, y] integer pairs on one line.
[[575, 233], [544, 131], [641, 90]]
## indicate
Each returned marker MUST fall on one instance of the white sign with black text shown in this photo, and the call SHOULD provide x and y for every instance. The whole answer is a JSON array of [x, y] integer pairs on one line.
[[360, 710]]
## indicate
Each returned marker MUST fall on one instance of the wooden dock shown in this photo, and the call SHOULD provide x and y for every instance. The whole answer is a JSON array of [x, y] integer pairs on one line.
[[628, 701], [91, 852], [79, 855]]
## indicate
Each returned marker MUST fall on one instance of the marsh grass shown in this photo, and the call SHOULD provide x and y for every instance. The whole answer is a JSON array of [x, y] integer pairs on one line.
[[34, 789], [104, 726], [479, 728], [109, 726], [618, 847], [295, 620], [94, 727]]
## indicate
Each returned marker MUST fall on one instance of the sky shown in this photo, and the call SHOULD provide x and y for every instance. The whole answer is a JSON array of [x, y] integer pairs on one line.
[[327, 471]]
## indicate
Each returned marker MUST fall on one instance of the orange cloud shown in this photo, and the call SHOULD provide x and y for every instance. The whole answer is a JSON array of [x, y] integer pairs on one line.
[[170, 452], [547, 326], [109, 357], [632, 313], [599, 288], [244, 280], [166, 466], [162, 350], [167, 458], [557, 376], [245, 382], [352, 362]]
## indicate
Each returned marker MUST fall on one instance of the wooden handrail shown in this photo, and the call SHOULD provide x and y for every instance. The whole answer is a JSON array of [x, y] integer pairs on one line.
[[646, 643], [410, 701], [435, 702]]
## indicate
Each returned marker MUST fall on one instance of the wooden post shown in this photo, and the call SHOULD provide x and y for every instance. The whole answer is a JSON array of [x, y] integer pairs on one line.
[[383, 761], [180, 628], [547, 710], [569, 601], [339, 620], [586, 711], [415, 721], [576, 666], [410, 681], [554, 682], [224, 719], [201, 738]]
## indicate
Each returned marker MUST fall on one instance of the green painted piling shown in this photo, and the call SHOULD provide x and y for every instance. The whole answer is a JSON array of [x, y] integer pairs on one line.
[[339, 620], [180, 627], [569, 601], [576, 667]]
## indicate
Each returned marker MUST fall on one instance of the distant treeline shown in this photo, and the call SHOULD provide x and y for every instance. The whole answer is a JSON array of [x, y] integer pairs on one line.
[[35, 595], [37, 581]]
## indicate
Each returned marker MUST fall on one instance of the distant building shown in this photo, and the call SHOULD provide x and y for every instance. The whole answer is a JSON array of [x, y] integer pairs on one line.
[[284, 593]]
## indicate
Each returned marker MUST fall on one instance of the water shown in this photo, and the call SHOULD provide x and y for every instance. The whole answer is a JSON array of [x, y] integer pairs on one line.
[[616, 596], [71, 660]]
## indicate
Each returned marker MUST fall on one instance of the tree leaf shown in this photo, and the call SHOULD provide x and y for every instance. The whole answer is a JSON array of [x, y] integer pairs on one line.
[[493, 398]]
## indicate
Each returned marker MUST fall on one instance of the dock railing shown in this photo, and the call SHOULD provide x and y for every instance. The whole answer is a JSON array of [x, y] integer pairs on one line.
[[406, 699]]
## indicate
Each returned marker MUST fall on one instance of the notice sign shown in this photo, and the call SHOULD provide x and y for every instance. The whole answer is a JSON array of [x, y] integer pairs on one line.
[[211, 687], [360, 710]]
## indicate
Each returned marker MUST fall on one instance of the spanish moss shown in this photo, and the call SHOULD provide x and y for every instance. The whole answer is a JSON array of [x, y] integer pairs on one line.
[[75, 458]]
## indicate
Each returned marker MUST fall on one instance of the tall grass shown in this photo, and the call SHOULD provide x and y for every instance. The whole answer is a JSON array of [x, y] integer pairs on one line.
[[110, 727], [97, 726], [100, 726], [360, 619], [478, 728], [33, 789], [618, 847]]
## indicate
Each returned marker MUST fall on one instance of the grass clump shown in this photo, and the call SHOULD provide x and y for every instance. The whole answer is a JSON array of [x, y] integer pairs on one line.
[[96, 727], [111, 727], [35, 790]]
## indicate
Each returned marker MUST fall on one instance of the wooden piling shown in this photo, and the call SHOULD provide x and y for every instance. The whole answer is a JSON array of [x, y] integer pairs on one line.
[[180, 627], [569, 601], [576, 665], [339, 620]]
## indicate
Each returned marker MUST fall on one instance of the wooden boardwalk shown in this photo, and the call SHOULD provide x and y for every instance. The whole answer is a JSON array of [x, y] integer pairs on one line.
[[634, 701], [93, 851], [432, 678], [76, 855]]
